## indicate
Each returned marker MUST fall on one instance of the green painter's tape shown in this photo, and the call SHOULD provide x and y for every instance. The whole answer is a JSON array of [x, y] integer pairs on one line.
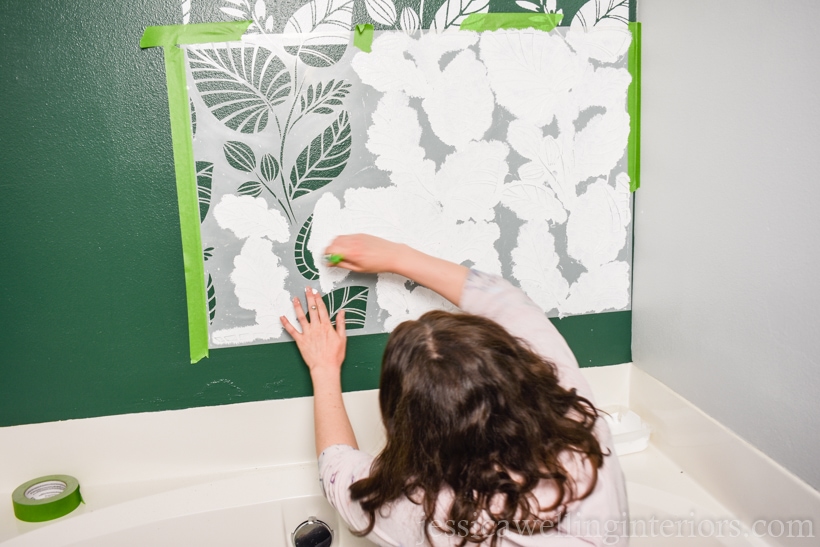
[[169, 37], [363, 37], [46, 498], [496, 21], [188, 201], [634, 106], [172, 35]]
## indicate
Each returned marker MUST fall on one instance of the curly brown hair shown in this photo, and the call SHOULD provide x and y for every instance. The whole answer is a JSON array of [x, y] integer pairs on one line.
[[470, 408]]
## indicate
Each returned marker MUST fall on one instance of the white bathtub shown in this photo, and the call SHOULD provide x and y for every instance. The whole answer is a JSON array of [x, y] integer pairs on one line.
[[263, 507], [224, 475]]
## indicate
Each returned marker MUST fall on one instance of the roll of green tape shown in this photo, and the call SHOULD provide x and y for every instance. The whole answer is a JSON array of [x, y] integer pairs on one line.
[[46, 498]]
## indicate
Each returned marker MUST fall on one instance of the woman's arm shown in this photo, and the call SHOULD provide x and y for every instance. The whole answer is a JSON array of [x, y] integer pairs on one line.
[[370, 254], [323, 349]]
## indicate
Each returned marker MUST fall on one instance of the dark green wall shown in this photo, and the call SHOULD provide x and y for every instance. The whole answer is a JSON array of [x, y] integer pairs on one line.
[[92, 296]]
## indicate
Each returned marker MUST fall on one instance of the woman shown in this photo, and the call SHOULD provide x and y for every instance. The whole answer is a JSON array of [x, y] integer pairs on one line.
[[492, 437]]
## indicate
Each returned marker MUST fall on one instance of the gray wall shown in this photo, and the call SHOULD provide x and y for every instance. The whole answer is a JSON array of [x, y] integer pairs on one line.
[[726, 293]]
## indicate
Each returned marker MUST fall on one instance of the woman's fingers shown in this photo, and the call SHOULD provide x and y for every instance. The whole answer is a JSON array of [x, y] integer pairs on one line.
[[313, 308], [290, 329], [300, 314], [341, 329], [321, 308]]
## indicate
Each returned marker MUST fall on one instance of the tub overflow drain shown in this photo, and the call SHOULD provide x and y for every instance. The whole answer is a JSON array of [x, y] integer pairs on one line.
[[312, 533]]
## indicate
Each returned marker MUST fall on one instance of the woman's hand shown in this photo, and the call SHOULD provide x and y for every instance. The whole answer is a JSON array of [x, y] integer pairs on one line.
[[371, 254], [322, 347], [366, 253]]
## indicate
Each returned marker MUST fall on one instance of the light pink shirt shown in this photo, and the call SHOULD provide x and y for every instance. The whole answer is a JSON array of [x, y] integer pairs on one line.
[[599, 519]]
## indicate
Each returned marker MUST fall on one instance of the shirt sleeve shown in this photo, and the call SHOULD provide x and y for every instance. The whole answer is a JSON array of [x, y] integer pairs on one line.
[[340, 466], [495, 298]]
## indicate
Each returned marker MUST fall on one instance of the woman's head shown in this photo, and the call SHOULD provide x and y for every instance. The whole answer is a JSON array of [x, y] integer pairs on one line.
[[467, 406], [455, 384]]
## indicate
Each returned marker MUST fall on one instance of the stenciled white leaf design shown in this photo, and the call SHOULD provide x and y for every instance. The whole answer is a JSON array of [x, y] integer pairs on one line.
[[601, 143], [403, 305], [468, 185], [602, 288], [453, 12], [409, 20], [386, 68], [259, 285], [240, 85], [394, 138], [606, 43], [535, 266], [381, 11], [531, 202], [528, 5], [260, 10], [532, 73], [596, 232], [602, 13], [186, 11], [318, 17], [547, 163], [247, 216], [405, 217], [322, 16], [459, 103]]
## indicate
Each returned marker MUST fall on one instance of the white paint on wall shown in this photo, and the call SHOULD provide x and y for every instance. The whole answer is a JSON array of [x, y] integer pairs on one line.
[[436, 136]]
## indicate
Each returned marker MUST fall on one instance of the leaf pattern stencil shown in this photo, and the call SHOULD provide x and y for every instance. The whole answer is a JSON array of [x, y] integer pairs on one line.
[[409, 20], [240, 85], [323, 159], [603, 13], [381, 11], [240, 156], [321, 16], [453, 12], [204, 177], [303, 256], [449, 135], [211, 292], [351, 299]]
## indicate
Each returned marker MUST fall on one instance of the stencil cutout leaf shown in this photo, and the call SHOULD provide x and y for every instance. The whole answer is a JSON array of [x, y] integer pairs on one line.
[[204, 177], [240, 156], [251, 188], [211, 299], [409, 20], [193, 118], [330, 93], [381, 11], [453, 12], [351, 299], [207, 253], [240, 85], [321, 16], [269, 167], [303, 256], [323, 159], [602, 13]]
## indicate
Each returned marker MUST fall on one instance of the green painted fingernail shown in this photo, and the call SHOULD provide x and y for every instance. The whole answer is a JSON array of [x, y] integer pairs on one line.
[[334, 259]]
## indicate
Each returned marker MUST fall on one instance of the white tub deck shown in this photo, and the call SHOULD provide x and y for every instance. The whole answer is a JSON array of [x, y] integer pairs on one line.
[[229, 497]]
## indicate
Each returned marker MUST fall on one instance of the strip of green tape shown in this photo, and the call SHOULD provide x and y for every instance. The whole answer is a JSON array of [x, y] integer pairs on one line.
[[203, 33], [169, 37], [46, 508], [496, 21], [188, 201], [634, 106], [363, 37]]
